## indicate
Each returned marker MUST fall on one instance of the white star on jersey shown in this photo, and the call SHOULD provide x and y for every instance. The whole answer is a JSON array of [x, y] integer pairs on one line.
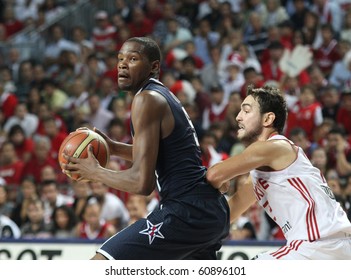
[[152, 231]]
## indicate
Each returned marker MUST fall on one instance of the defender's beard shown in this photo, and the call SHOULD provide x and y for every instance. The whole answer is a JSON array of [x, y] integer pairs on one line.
[[251, 136]]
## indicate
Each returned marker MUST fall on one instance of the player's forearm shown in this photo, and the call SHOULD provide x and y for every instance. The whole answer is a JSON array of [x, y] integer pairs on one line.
[[126, 180], [122, 150]]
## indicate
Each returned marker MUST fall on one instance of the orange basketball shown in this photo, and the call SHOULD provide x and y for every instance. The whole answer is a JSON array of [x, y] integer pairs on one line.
[[76, 145]]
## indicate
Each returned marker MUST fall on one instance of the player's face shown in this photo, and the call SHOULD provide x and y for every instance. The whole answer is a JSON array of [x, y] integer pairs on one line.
[[249, 121], [133, 67]]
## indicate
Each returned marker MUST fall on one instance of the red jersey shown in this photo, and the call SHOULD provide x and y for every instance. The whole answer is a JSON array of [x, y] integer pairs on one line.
[[343, 117], [272, 72], [86, 233], [8, 103], [326, 56], [12, 173], [26, 147], [33, 167], [308, 118]]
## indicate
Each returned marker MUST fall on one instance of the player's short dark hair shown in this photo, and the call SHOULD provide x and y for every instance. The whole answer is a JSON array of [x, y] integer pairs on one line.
[[270, 99], [151, 49]]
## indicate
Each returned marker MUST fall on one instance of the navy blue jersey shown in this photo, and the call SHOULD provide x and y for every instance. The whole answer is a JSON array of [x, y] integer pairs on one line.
[[179, 166]]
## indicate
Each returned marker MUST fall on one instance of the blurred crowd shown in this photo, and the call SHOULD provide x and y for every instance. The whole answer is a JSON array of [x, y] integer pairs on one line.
[[211, 51]]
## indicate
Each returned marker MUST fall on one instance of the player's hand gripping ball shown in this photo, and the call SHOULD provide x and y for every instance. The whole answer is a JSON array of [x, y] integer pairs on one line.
[[76, 145]]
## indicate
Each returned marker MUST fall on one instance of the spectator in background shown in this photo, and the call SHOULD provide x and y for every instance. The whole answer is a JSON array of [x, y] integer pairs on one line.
[[6, 206], [208, 146], [52, 131], [176, 36], [204, 40], [98, 116], [80, 37], [93, 226], [217, 110], [113, 209], [8, 102], [27, 192], [54, 96], [344, 113], [45, 112], [107, 91], [248, 59], [235, 78], [52, 198], [11, 167], [328, 53], [153, 10], [255, 33], [160, 28], [299, 14], [330, 101], [103, 34], [64, 222], [11, 23], [212, 72], [318, 80], [25, 79], [319, 159], [338, 151], [34, 100], [7, 80], [276, 13], [306, 113], [137, 207], [340, 75], [140, 25], [26, 9], [56, 45], [36, 227], [28, 121], [328, 12], [24, 145], [40, 158], [299, 136], [345, 32], [252, 77], [81, 194]]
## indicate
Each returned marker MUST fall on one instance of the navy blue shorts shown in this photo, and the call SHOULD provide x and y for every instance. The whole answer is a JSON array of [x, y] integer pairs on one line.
[[190, 228]]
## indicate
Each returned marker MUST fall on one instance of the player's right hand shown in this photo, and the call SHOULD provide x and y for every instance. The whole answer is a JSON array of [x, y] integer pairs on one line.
[[108, 140]]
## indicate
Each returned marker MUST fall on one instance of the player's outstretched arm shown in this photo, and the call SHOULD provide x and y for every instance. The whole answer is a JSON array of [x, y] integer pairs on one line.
[[276, 154]]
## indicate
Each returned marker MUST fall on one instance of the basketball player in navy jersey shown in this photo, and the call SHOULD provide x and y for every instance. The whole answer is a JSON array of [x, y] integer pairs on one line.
[[193, 217]]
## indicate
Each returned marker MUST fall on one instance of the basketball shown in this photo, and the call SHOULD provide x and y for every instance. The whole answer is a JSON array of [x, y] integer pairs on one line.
[[76, 145]]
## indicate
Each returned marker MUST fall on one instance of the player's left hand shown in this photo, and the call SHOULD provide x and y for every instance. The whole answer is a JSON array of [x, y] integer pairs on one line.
[[84, 168]]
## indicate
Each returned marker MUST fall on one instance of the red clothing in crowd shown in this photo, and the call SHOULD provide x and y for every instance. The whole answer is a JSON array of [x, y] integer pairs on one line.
[[26, 147], [343, 117], [326, 56], [270, 72], [304, 117], [12, 173], [33, 167], [84, 231], [142, 29], [8, 102]]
